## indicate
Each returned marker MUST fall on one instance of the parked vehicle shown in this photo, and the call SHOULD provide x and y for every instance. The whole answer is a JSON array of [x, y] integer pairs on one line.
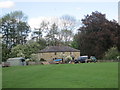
[[17, 61], [5, 64], [93, 59], [82, 59]]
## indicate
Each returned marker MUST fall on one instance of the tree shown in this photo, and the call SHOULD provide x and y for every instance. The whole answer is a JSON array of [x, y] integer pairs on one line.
[[97, 34], [74, 43], [112, 54], [14, 28], [66, 36], [56, 32], [68, 22], [38, 32], [18, 51], [66, 32], [34, 57], [52, 35], [27, 49], [5, 52]]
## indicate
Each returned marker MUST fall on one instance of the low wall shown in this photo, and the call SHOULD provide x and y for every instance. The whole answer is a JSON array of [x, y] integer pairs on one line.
[[36, 63], [108, 60]]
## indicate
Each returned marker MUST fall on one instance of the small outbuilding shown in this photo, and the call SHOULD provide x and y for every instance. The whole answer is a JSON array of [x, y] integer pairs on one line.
[[18, 61], [57, 52]]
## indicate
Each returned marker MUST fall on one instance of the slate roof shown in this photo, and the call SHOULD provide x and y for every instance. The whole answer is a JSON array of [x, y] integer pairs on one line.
[[59, 49]]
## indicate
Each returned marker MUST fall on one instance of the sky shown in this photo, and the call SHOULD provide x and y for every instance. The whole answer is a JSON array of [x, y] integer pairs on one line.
[[36, 10]]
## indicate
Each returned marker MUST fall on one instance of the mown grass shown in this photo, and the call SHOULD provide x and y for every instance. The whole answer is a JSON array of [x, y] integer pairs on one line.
[[0, 77], [87, 75]]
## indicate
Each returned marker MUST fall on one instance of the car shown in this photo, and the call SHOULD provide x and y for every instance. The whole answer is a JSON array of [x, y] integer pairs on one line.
[[93, 58], [82, 59]]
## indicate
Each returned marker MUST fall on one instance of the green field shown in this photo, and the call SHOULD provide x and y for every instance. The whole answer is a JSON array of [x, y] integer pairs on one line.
[[86, 75], [0, 77]]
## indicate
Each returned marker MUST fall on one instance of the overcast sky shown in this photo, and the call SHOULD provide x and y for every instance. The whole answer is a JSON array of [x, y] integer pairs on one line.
[[40, 9]]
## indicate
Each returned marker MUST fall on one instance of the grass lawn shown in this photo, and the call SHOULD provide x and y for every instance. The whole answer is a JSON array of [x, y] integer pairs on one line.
[[86, 75], [0, 77]]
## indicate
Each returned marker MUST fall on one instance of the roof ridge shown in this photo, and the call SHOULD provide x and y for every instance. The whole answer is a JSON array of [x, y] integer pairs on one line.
[[59, 49]]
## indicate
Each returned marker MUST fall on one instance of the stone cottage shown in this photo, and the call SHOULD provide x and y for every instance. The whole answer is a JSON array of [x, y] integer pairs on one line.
[[51, 52]]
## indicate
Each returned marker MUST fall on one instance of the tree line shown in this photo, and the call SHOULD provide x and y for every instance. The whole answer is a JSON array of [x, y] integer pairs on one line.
[[15, 31], [95, 36]]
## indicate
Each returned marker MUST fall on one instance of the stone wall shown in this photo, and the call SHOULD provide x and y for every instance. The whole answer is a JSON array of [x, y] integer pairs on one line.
[[50, 55]]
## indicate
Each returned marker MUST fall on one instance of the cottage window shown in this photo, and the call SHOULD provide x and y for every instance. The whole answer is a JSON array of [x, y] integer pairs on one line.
[[70, 52], [63, 52], [55, 53]]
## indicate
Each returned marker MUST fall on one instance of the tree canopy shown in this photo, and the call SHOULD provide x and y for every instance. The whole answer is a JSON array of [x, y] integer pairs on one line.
[[14, 29], [97, 35]]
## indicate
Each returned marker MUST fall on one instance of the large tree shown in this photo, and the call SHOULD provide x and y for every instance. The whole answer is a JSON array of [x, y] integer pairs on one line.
[[14, 28], [66, 36], [51, 36], [67, 27], [97, 34], [38, 32]]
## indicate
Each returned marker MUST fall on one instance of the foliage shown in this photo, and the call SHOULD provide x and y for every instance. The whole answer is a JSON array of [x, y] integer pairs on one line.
[[66, 32], [51, 35], [74, 43], [97, 35], [5, 52], [27, 49], [34, 57], [14, 28], [112, 54], [67, 59], [66, 35], [68, 22], [38, 32], [89, 75], [42, 59]]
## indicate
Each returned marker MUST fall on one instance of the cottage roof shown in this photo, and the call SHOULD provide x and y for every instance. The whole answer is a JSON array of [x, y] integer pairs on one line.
[[59, 49]]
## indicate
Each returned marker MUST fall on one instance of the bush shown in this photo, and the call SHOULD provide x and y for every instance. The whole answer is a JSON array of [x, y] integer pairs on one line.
[[112, 54], [34, 57], [42, 59], [67, 59]]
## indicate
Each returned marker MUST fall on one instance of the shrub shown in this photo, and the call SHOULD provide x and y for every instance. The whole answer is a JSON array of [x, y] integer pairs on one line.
[[42, 59], [112, 54], [67, 59], [34, 57]]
